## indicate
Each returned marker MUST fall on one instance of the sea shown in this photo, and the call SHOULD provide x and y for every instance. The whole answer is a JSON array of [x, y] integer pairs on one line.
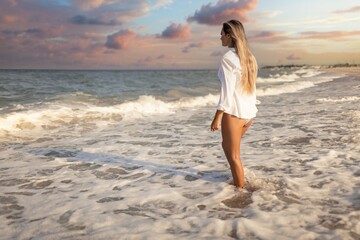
[[128, 154]]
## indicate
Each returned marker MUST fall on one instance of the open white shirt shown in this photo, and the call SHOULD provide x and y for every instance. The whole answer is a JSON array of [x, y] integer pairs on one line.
[[232, 99]]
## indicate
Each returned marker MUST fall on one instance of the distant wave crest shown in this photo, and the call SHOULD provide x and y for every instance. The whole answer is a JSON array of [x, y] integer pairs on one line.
[[343, 99], [55, 115]]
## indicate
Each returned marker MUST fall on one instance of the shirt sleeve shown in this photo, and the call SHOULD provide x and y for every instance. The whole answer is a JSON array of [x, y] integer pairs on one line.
[[228, 82]]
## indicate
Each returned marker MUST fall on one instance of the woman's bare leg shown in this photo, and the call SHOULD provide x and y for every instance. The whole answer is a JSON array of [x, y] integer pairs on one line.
[[232, 131], [246, 127]]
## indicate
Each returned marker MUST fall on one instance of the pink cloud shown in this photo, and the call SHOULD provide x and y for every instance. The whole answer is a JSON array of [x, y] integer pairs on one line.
[[193, 45], [88, 4], [120, 40], [353, 9], [32, 33], [292, 57], [265, 35], [92, 36], [274, 37], [8, 19], [141, 28], [268, 37], [335, 35], [223, 11], [11, 2], [176, 30]]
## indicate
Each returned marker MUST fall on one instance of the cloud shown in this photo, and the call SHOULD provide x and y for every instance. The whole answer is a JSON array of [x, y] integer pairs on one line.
[[12, 3], [80, 19], [275, 37], [267, 14], [97, 37], [216, 54], [351, 10], [88, 4], [268, 37], [8, 18], [264, 35], [335, 35], [110, 11], [123, 10], [16, 33], [120, 40], [176, 30], [162, 3], [192, 45], [146, 61], [292, 57], [223, 11], [32, 32], [162, 56], [314, 22]]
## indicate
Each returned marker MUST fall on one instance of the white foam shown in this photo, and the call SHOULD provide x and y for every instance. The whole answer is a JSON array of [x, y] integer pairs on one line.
[[285, 88], [210, 99], [144, 105], [292, 77], [54, 115], [308, 72], [342, 99], [278, 78]]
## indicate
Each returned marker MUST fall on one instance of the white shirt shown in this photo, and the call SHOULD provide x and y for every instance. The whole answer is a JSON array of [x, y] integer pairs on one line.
[[232, 99]]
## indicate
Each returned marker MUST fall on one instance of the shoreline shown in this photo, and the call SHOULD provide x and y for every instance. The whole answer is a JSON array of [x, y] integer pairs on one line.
[[351, 71]]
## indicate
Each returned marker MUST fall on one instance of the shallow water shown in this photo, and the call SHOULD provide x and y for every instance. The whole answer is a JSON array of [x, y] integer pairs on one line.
[[127, 154]]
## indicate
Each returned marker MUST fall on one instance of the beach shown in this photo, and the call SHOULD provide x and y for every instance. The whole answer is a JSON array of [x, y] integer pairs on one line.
[[130, 155]]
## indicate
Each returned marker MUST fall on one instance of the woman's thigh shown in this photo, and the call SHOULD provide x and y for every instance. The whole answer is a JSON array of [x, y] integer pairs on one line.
[[231, 130]]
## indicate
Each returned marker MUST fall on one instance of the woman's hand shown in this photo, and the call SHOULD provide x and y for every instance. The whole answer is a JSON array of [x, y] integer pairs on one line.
[[215, 124], [217, 120]]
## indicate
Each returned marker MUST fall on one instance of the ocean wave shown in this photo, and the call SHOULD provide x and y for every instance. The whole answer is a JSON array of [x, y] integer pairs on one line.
[[277, 78], [305, 73], [57, 114], [285, 88], [293, 86], [87, 114], [343, 99], [284, 78]]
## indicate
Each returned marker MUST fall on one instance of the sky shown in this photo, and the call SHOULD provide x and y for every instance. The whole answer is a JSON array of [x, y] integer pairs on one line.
[[173, 34]]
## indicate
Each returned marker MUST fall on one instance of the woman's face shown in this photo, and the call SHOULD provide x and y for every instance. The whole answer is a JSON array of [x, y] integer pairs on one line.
[[225, 39]]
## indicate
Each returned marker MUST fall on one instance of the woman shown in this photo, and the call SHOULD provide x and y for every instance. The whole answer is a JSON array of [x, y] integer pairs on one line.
[[236, 108]]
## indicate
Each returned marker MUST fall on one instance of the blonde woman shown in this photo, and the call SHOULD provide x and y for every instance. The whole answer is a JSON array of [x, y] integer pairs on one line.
[[236, 108]]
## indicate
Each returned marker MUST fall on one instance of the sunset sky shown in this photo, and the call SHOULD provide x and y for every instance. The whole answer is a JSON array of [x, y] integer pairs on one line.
[[173, 34]]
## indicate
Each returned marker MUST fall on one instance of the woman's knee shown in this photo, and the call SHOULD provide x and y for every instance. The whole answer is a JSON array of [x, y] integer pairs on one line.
[[234, 159]]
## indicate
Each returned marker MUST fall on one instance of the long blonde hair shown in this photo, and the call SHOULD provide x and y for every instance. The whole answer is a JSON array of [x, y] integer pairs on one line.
[[247, 60]]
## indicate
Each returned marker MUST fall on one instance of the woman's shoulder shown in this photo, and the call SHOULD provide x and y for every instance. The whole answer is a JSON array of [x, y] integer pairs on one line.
[[230, 53], [231, 56]]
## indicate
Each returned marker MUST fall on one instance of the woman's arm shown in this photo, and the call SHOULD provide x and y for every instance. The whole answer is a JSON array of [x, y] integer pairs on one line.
[[217, 120], [228, 81]]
